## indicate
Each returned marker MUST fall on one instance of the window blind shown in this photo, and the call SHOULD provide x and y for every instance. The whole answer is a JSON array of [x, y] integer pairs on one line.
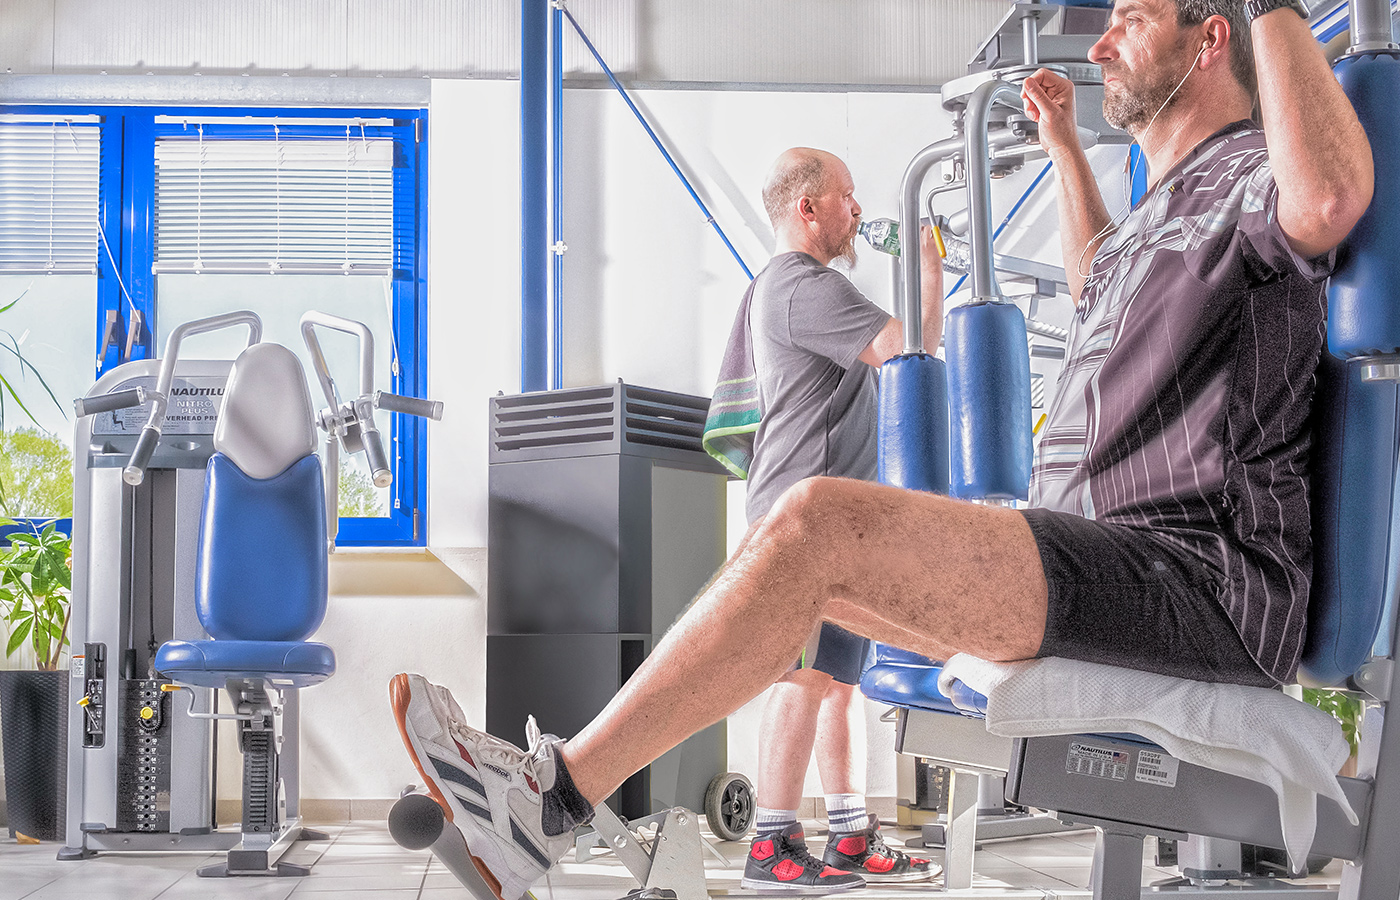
[[48, 197], [275, 205]]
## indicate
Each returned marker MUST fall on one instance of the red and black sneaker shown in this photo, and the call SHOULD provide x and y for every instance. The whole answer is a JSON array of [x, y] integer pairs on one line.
[[865, 853], [779, 861]]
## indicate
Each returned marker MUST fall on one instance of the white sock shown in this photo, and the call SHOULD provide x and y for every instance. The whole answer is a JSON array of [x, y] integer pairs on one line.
[[770, 820], [845, 813]]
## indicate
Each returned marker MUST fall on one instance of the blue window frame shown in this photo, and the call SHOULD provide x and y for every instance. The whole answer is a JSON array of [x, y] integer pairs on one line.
[[126, 204]]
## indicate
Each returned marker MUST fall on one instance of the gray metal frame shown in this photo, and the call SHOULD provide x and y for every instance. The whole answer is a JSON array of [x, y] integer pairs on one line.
[[134, 552], [104, 539], [978, 761]]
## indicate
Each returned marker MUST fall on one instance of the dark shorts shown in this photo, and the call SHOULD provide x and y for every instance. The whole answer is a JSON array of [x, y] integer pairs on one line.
[[837, 652], [1126, 597]]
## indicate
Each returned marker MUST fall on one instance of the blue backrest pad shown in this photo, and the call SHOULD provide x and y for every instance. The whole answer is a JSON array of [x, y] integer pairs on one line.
[[261, 570], [1363, 296], [1353, 461]]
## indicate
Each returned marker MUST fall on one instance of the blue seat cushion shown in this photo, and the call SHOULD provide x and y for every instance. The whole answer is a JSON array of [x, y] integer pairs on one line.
[[213, 663], [915, 685]]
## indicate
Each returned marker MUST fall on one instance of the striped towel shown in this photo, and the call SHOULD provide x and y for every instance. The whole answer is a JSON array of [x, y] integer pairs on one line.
[[736, 408]]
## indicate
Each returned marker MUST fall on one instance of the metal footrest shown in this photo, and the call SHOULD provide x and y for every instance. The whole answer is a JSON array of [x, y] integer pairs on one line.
[[671, 863]]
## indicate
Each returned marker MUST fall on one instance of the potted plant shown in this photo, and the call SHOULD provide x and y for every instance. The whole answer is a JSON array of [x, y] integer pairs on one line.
[[35, 584], [1347, 709]]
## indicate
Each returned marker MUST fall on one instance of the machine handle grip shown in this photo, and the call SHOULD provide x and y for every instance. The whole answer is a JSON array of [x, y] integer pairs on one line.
[[378, 462], [88, 406], [413, 406], [135, 470]]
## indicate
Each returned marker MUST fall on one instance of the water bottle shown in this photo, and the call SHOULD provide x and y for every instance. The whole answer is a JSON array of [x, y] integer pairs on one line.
[[959, 258], [883, 235]]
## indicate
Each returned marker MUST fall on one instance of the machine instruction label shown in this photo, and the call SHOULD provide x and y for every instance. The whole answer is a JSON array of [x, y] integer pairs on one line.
[[1156, 767], [192, 408], [1097, 762]]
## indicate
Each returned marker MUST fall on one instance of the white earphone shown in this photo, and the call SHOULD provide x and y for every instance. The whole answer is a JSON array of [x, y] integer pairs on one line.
[[1132, 170]]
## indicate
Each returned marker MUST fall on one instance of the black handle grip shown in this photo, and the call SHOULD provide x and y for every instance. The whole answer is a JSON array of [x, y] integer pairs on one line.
[[378, 462], [413, 406], [135, 470], [88, 406]]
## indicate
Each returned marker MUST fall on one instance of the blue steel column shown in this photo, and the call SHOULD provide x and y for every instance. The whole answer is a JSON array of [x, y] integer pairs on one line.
[[556, 149], [534, 195]]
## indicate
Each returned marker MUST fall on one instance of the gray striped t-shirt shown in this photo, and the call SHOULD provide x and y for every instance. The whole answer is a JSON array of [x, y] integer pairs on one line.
[[1184, 402]]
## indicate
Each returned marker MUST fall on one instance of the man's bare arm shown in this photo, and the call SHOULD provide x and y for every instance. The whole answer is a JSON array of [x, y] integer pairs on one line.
[[1049, 100], [1320, 157], [890, 341]]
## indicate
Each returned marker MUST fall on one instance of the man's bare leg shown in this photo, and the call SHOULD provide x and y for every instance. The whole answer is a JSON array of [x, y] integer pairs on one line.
[[893, 564], [840, 743], [788, 731]]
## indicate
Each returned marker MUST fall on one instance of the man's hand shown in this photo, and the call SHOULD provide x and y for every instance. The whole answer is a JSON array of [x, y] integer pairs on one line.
[[1049, 100], [930, 260], [890, 341]]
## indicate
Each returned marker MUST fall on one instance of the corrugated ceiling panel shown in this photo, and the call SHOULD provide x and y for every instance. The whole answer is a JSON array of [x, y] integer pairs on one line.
[[814, 41], [612, 26], [26, 36], [209, 36], [478, 39], [875, 42]]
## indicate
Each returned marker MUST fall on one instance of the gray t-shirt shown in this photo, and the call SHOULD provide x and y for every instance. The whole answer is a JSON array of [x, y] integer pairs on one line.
[[809, 324]]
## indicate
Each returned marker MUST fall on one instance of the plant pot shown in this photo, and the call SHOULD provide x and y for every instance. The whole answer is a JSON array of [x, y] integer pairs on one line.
[[34, 716]]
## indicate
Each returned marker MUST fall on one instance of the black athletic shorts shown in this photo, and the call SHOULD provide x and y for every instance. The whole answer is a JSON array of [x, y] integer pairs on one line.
[[1126, 597], [837, 652]]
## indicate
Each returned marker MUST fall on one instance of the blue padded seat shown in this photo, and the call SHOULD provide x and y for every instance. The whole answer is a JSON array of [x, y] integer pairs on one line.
[[212, 663], [260, 580], [261, 572], [901, 678]]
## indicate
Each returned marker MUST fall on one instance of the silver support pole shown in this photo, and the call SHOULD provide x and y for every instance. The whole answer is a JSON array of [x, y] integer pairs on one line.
[[909, 209], [1030, 38], [960, 839], [910, 308], [979, 184], [1370, 26]]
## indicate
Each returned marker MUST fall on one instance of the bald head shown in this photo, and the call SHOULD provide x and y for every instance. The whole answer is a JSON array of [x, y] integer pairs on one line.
[[798, 172]]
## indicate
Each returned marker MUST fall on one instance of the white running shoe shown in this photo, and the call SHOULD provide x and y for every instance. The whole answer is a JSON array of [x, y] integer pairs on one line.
[[488, 788]]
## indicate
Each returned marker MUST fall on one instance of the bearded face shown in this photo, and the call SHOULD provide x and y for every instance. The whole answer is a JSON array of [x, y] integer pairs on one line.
[[844, 250], [1132, 97]]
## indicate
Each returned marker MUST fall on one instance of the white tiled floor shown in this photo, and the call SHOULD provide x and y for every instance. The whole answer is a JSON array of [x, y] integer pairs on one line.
[[361, 862]]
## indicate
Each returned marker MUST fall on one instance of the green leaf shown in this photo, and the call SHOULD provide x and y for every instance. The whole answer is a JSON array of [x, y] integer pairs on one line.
[[17, 636]]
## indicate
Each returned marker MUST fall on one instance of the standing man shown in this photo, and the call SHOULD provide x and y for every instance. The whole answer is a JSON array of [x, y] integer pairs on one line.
[[800, 372], [1170, 531]]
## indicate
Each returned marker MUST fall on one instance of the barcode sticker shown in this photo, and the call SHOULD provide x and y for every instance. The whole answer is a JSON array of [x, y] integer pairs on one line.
[[1155, 767], [1097, 762]]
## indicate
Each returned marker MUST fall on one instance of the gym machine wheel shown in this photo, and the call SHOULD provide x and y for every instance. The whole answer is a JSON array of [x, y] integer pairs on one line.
[[729, 806]]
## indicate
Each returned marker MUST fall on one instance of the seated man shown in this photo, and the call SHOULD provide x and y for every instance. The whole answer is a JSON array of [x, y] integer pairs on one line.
[[1172, 528]]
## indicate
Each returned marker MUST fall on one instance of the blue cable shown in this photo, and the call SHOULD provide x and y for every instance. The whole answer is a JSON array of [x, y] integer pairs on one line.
[[657, 141]]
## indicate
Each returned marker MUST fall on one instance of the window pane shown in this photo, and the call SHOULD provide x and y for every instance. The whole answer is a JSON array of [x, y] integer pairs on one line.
[[257, 205], [53, 327], [280, 301], [48, 197]]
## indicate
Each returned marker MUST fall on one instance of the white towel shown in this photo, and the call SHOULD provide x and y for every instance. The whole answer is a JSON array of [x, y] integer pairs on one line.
[[1256, 733]]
